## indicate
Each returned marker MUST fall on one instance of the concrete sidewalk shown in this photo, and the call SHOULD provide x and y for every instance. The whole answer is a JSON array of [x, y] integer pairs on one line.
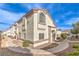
[[31, 51]]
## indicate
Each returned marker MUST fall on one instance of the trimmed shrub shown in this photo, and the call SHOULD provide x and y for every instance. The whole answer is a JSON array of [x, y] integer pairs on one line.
[[77, 49], [26, 43], [75, 46], [63, 35]]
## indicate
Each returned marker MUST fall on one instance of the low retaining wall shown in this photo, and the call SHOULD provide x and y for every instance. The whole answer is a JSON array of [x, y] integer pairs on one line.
[[10, 43], [4, 43], [40, 43]]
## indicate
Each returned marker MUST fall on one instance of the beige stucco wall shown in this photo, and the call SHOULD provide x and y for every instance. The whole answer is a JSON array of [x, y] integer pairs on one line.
[[33, 28], [20, 29], [38, 28], [30, 28], [40, 43], [9, 32]]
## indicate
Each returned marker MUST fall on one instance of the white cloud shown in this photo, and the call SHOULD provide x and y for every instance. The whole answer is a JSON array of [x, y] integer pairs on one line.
[[64, 28], [72, 20], [8, 17], [66, 14], [2, 4], [30, 6], [62, 16]]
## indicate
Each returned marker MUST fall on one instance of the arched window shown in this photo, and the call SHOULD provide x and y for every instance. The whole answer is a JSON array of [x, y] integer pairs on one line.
[[42, 18]]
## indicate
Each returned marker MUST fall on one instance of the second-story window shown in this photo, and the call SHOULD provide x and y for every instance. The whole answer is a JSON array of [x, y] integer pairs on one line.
[[42, 19]]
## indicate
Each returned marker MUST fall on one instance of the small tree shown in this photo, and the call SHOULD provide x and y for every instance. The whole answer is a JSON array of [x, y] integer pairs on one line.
[[63, 35], [75, 29]]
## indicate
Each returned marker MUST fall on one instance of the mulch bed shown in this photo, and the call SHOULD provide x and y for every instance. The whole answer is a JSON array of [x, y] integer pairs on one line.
[[59, 40], [50, 46]]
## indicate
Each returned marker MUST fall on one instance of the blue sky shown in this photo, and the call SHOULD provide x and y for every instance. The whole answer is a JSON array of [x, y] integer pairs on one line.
[[63, 14]]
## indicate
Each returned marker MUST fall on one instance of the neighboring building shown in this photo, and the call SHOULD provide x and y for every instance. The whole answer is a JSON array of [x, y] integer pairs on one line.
[[9, 32], [68, 32], [58, 32], [36, 26]]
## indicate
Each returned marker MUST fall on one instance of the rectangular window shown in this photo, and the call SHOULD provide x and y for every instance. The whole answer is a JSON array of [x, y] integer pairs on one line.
[[41, 36]]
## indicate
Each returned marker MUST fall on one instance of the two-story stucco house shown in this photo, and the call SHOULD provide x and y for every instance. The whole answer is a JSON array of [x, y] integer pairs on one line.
[[9, 32], [36, 26]]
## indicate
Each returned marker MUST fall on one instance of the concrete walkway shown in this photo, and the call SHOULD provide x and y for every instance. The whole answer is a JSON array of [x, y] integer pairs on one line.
[[74, 41], [62, 45], [30, 51], [38, 52]]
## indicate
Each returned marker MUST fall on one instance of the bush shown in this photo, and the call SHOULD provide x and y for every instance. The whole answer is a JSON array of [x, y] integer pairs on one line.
[[75, 46], [77, 49], [63, 35], [26, 43], [76, 36]]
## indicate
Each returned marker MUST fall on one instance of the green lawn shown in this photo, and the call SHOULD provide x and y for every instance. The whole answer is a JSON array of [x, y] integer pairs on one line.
[[75, 52]]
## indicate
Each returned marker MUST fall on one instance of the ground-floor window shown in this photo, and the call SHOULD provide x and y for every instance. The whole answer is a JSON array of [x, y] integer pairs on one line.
[[41, 36]]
